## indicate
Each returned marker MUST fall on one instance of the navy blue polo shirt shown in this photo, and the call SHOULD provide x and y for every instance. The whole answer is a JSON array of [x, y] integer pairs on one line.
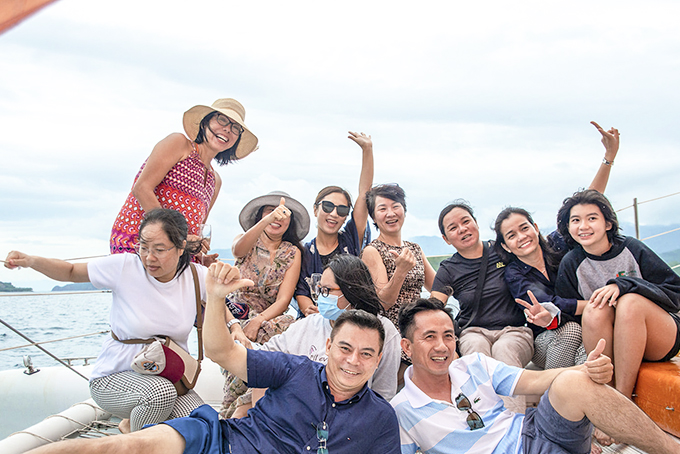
[[285, 420]]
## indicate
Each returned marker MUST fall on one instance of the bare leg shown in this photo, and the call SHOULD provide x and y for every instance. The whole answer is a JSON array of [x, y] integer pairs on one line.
[[598, 324], [574, 395], [642, 330], [159, 439], [124, 426]]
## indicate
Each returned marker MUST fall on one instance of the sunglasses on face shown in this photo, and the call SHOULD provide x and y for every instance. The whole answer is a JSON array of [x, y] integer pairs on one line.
[[328, 207], [474, 421]]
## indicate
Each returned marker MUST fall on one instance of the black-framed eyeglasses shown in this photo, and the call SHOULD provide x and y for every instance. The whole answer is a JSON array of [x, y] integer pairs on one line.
[[325, 291], [225, 121], [474, 421], [322, 436], [328, 207], [157, 252]]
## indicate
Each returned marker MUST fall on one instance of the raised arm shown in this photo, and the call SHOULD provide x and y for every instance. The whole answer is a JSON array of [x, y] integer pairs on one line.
[[610, 140], [220, 280], [245, 242], [56, 269], [360, 213], [163, 157]]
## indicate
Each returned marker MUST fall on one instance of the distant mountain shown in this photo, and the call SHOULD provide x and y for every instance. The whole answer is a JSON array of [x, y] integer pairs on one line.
[[8, 287], [77, 287]]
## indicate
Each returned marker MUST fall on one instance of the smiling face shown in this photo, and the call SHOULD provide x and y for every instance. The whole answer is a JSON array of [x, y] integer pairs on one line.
[[330, 223], [520, 236], [163, 257], [218, 136], [460, 230], [388, 215], [588, 227], [275, 229], [431, 344], [353, 357]]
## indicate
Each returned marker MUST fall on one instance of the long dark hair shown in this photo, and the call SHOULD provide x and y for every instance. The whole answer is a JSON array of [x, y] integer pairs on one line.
[[586, 197], [355, 282], [290, 234], [175, 227], [223, 157], [552, 258]]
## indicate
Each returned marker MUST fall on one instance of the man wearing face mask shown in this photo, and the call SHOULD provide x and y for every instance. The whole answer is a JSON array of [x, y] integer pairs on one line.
[[345, 284]]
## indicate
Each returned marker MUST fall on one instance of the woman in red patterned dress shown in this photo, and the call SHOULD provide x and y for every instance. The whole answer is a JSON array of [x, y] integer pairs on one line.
[[178, 174]]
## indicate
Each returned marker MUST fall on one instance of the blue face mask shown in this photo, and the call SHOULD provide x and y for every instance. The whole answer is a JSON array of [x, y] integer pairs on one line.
[[328, 307]]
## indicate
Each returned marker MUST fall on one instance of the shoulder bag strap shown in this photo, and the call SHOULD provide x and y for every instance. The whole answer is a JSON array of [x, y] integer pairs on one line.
[[199, 312], [480, 284]]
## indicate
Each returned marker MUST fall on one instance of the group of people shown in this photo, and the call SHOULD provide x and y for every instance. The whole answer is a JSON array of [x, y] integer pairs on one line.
[[586, 304]]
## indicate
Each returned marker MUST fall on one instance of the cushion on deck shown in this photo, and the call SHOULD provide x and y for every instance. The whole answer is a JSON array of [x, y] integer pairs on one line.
[[657, 392]]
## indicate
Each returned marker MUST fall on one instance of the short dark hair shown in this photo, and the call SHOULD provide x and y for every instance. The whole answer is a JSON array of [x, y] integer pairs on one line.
[[458, 203], [362, 319], [408, 312], [355, 282], [586, 197], [175, 227], [551, 257], [331, 190], [390, 191], [223, 157]]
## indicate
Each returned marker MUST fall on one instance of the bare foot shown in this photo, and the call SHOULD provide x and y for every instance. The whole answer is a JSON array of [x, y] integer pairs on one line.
[[602, 438], [124, 426], [595, 449]]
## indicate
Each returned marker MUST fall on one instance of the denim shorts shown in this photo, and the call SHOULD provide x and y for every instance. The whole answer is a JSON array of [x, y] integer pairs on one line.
[[546, 431]]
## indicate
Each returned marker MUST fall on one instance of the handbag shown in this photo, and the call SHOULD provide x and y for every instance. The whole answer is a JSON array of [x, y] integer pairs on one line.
[[166, 358]]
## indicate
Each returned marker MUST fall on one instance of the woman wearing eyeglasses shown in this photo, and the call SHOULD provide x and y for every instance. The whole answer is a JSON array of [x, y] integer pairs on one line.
[[153, 294], [178, 174], [332, 206]]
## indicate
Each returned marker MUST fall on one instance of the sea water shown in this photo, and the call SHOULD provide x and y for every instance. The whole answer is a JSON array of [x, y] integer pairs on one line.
[[56, 315]]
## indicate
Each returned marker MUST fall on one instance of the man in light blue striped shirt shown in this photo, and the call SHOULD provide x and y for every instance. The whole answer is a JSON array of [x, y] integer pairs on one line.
[[451, 405]]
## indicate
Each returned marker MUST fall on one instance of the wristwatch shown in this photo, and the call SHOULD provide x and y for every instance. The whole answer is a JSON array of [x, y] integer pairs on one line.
[[230, 323]]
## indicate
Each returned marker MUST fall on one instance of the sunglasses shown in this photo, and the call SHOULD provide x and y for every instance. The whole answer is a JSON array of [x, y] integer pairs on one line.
[[328, 207], [322, 436], [474, 421]]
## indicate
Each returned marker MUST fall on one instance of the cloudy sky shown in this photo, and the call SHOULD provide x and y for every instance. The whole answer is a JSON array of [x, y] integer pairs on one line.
[[488, 101]]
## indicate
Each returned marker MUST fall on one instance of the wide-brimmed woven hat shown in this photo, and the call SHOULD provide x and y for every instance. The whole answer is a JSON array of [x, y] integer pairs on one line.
[[248, 213], [232, 109]]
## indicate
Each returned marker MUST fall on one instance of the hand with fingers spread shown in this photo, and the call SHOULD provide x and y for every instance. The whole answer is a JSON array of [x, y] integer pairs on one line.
[[361, 139], [610, 140], [404, 261], [222, 279], [534, 312], [606, 295], [280, 213], [599, 367]]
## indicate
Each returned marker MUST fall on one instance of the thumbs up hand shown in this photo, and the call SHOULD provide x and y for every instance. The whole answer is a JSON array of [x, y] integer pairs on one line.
[[599, 367]]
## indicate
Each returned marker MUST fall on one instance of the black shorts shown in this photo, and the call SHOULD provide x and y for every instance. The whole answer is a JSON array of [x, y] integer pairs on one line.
[[676, 347]]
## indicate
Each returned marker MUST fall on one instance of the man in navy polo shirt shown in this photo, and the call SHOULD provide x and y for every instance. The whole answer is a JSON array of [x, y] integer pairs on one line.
[[308, 407], [451, 405]]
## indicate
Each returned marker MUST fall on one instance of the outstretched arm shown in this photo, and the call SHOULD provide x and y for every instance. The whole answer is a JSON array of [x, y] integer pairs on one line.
[[244, 243], [220, 280], [610, 140], [360, 213], [56, 269]]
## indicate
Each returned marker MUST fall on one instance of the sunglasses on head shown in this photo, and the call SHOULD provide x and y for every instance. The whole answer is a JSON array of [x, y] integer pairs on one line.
[[328, 207], [474, 421]]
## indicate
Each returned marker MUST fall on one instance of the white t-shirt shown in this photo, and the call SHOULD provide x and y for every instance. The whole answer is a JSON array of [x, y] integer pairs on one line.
[[142, 307]]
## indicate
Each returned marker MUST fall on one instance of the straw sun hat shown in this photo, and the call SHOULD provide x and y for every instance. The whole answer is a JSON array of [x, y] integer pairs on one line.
[[248, 213], [232, 109]]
